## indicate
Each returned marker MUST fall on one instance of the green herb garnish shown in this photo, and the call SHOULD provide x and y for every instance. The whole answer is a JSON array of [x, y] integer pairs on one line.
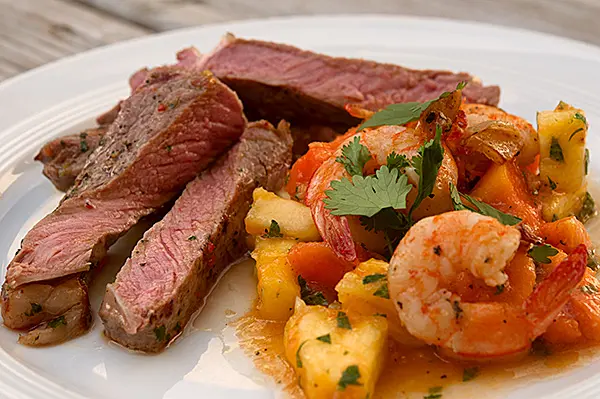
[[556, 151], [298, 360], [274, 230], [160, 333], [342, 321], [382, 292], [480, 207], [588, 209], [371, 278], [402, 113], [35, 309], [309, 296], [470, 373], [325, 338], [551, 183], [542, 253], [349, 376], [354, 157], [59, 321], [434, 393]]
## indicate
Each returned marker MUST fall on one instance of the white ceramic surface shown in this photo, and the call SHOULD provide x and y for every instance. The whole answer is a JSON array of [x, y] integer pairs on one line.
[[535, 71]]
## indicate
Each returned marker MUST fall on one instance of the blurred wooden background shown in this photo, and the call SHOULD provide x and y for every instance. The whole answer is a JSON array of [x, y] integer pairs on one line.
[[34, 32]]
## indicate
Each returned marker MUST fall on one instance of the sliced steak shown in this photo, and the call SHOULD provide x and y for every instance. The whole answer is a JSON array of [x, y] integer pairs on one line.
[[65, 157], [180, 258], [276, 81], [170, 129], [283, 82]]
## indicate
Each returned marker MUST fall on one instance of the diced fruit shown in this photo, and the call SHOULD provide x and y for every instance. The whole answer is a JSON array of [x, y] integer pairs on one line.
[[292, 218], [364, 291], [504, 188], [277, 284], [318, 265], [335, 354], [563, 160]]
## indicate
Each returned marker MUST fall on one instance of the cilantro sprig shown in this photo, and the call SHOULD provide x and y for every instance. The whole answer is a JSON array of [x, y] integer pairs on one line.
[[402, 113], [354, 157]]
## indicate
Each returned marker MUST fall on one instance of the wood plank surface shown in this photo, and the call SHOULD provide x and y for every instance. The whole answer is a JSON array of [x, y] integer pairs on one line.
[[34, 32]]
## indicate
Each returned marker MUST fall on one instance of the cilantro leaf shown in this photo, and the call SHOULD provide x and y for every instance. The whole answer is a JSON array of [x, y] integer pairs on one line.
[[274, 230], [371, 278], [354, 157], [402, 113], [325, 338], [427, 165], [434, 393], [480, 207], [349, 376], [342, 321], [397, 161], [542, 253], [365, 196], [309, 296], [556, 151]]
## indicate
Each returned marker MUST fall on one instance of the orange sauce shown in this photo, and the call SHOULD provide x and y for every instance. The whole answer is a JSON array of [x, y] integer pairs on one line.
[[411, 372]]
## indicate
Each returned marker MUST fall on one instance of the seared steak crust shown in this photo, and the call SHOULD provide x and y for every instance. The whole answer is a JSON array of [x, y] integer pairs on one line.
[[169, 130], [65, 157], [180, 258]]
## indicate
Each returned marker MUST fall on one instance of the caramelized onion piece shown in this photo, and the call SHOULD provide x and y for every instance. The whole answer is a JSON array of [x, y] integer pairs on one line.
[[499, 141]]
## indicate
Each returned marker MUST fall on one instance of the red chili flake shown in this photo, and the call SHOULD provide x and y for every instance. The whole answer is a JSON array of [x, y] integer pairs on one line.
[[211, 247], [162, 107]]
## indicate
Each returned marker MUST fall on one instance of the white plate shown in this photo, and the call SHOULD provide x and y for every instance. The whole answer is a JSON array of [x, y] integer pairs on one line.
[[535, 71]]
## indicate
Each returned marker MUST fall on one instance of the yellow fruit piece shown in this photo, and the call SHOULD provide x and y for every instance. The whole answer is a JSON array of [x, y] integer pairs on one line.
[[562, 135], [277, 285], [335, 354], [294, 219], [361, 291], [557, 205]]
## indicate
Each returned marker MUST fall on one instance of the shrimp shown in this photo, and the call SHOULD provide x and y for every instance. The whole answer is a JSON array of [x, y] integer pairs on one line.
[[381, 141], [436, 250]]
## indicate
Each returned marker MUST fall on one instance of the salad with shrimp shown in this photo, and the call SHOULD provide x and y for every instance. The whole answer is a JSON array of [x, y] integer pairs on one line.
[[444, 227]]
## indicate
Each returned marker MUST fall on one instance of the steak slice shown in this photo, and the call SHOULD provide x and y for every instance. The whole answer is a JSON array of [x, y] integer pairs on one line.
[[170, 129], [279, 81], [65, 157], [181, 257]]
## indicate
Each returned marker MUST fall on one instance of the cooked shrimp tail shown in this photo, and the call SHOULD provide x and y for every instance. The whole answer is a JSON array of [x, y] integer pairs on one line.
[[336, 230], [549, 297]]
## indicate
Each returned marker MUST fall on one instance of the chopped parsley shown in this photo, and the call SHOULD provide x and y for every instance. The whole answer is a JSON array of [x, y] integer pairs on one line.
[[382, 292], [325, 338], [35, 309], [342, 321], [470, 373], [371, 278], [542, 253], [349, 376], [551, 183], [274, 230], [160, 333], [192, 238], [59, 321], [499, 289], [169, 148], [556, 151], [402, 113], [354, 157], [581, 117], [298, 359], [587, 160], [480, 207], [309, 296], [84, 145]]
